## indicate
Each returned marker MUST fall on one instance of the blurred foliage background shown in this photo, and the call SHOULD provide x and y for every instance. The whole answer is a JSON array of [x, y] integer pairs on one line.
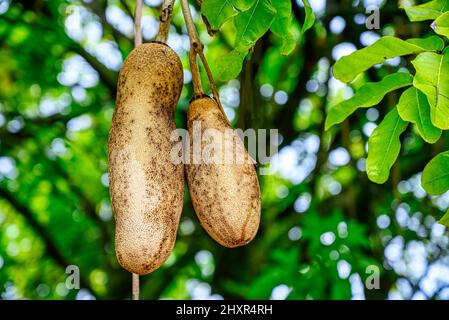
[[323, 223]]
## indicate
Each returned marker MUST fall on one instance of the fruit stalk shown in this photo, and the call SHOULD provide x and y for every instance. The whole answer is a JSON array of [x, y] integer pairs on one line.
[[138, 23], [194, 44], [165, 20], [135, 285], [196, 48]]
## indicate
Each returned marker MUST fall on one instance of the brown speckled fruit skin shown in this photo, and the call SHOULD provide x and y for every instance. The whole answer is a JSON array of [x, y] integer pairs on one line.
[[226, 197], [146, 188]]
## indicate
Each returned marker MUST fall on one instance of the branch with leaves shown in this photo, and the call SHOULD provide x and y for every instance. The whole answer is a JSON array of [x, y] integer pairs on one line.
[[424, 103], [251, 19]]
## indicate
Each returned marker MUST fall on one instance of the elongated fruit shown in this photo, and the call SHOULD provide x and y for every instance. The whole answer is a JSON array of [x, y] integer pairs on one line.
[[225, 193], [146, 188]]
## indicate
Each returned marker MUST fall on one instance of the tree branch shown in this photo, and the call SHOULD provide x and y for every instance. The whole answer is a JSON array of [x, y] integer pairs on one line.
[[51, 248], [87, 206], [107, 76], [127, 8]]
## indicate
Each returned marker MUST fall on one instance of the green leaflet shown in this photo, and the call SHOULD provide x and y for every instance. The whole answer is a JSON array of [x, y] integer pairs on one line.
[[310, 16], [414, 107], [253, 23], [288, 44], [445, 219], [368, 95], [432, 78], [218, 11], [441, 25], [242, 5], [252, 19], [427, 11], [348, 67], [384, 146], [281, 25], [283, 14], [230, 65], [432, 43], [435, 177]]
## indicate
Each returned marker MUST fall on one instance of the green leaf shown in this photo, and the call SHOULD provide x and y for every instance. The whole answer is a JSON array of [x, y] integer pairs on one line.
[[348, 67], [218, 11], [414, 107], [253, 23], [441, 25], [281, 21], [435, 177], [281, 25], [288, 44], [427, 11], [445, 219], [384, 146], [310, 16], [229, 66], [432, 43], [432, 78], [368, 95], [242, 5]]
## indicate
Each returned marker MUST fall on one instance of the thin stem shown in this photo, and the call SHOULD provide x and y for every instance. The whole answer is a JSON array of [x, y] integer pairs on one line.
[[165, 18], [196, 77], [135, 284], [193, 35], [196, 47], [212, 84], [194, 43], [138, 23]]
